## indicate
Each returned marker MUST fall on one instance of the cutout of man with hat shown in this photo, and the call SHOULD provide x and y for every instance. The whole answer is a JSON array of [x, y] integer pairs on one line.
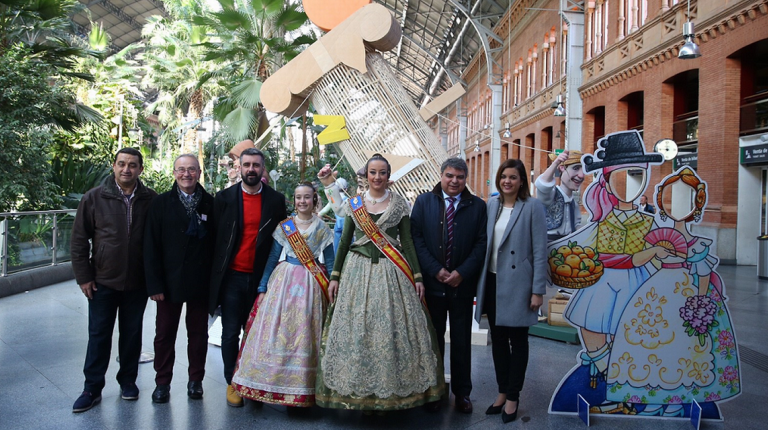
[[616, 232], [563, 213]]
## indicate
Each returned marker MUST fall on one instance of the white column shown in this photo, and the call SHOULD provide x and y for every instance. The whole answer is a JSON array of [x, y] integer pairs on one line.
[[461, 117], [575, 48], [590, 11], [622, 19], [495, 137], [635, 15]]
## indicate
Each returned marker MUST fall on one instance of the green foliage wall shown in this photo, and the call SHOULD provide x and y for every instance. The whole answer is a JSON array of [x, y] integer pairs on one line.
[[30, 110]]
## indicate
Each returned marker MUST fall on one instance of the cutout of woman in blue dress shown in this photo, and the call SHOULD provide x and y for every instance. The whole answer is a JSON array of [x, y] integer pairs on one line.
[[616, 234], [675, 342]]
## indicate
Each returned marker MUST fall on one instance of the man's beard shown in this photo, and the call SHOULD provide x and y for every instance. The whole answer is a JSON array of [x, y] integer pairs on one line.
[[251, 180]]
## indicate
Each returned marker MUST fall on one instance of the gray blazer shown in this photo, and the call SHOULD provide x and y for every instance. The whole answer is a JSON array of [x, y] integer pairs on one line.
[[521, 265]]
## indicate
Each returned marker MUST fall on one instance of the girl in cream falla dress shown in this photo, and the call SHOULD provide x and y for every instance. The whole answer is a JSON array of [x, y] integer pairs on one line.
[[279, 358]]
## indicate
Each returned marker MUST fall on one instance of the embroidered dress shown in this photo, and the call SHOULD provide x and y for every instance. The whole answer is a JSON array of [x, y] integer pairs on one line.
[[279, 357], [379, 348], [616, 239], [656, 359], [598, 308]]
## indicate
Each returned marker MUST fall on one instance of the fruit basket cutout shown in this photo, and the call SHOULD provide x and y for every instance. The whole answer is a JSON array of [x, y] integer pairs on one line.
[[574, 266]]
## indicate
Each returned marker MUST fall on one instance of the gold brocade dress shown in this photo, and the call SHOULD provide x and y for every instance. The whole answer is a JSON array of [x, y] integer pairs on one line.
[[379, 350]]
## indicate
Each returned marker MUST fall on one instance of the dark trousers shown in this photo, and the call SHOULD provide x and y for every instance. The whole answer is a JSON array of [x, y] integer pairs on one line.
[[236, 304], [102, 312], [509, 347], [166, 328], [459, 310]]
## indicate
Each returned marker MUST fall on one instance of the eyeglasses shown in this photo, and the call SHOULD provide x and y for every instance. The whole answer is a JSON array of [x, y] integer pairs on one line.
[[191, 170]]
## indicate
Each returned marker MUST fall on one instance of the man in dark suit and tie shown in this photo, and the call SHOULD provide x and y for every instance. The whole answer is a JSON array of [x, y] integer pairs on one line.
[[448, 228]]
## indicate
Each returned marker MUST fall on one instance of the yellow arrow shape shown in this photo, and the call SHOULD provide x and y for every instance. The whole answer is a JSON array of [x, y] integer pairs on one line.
[[335, 131]]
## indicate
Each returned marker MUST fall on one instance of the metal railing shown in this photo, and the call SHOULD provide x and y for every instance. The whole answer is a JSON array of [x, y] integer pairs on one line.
[[754, 117], [34, 239], [686, 130]]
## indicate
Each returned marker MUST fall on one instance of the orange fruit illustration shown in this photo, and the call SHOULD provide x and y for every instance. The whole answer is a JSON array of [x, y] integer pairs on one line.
[[573, 260], [589, 264], [564, 251], [553, 264], [563, 270]]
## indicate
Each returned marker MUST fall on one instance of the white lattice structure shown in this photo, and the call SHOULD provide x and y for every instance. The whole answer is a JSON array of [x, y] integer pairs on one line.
[[380, 118]]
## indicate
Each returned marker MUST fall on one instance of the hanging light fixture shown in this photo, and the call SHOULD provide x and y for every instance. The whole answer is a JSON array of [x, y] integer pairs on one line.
[[477, 146], [506, 132], [689, 49], [560, 109]]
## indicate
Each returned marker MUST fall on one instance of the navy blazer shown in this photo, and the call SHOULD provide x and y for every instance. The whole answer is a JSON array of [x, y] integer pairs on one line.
[[469, 240]]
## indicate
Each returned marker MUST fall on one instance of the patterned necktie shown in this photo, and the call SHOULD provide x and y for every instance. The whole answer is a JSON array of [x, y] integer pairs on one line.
[[450, 211]]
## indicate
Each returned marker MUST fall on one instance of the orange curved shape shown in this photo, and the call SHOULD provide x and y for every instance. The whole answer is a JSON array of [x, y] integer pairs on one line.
[[327, 14]]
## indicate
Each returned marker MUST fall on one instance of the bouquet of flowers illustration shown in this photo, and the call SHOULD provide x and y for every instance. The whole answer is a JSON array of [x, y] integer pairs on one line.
[[698, 316]]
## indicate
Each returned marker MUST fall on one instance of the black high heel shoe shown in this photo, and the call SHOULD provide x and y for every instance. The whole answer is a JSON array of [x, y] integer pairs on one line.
[[495, 410], [508, 418]]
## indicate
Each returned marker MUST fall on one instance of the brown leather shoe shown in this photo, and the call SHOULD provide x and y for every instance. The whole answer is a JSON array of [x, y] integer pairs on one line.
[[464, 405]]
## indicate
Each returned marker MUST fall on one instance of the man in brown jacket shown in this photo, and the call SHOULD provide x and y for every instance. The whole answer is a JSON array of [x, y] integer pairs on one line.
[[107, 258]]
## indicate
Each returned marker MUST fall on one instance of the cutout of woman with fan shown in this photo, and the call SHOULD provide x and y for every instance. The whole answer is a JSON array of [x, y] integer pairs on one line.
[[675, 341]]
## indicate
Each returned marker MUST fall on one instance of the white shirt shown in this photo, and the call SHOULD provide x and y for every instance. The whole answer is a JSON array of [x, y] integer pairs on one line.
[[455, 204], [498, 234]]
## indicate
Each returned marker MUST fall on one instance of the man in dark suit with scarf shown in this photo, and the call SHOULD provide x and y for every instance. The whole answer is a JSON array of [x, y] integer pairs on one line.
[[178, 246]]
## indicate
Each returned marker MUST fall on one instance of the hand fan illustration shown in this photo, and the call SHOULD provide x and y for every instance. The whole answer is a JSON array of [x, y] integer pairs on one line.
[[670, 239]]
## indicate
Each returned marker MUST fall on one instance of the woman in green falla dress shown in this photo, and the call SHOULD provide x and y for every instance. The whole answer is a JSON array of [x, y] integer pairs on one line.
[[379, 350]]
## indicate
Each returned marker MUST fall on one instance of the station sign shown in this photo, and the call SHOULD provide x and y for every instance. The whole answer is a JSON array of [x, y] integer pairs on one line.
[[690, 159], [756, 154]]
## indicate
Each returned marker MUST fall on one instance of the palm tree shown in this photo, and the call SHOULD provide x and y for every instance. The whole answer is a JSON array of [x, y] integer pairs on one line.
[[173, 65], [46, 29], [249, 40]]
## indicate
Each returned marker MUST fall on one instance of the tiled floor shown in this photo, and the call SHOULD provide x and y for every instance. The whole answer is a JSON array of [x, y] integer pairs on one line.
[[43, 338]]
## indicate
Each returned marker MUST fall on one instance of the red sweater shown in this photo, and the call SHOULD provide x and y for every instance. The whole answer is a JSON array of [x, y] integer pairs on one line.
[[243, 261]]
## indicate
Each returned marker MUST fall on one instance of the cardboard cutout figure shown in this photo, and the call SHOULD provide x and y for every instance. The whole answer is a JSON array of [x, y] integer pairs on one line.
[[650, 309], [563, 213]]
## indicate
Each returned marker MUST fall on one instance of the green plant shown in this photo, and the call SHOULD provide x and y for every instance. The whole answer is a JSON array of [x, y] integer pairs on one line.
[[248, 41], [158, 173], [74, 178]]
